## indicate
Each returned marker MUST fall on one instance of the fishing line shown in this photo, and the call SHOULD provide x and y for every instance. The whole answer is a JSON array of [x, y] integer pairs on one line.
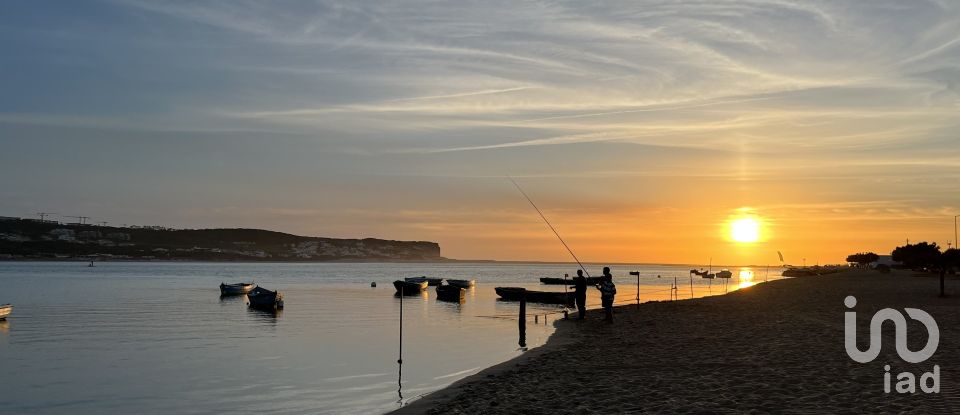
[[548, 224]]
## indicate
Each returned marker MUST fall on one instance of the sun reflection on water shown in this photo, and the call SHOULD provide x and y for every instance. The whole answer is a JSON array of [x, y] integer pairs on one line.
[[745, 278]]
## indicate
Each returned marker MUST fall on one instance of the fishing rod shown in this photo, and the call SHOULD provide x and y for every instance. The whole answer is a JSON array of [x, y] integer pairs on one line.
[[548, 224]]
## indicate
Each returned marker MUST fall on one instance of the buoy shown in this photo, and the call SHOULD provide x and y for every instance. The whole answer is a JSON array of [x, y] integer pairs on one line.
[[373, 284]]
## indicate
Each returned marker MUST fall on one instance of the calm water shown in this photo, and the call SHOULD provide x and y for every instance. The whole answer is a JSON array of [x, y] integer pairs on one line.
[[157, 337]]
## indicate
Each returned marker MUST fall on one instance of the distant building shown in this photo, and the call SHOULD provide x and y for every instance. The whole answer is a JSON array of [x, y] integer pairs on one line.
[[886, 260], [63, 234]]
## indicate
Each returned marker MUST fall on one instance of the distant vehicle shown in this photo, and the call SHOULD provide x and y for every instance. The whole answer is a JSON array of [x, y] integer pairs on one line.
[[546, 297], [409, 288], [462, 283], [450, 293], [235, 289], [430, 281], [5, 311], [264, 299]]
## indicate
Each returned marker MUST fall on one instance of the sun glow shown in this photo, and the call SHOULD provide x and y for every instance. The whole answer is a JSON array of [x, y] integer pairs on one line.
[[745, 230]]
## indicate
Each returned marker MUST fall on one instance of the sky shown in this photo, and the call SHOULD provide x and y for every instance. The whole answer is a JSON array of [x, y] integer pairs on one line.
[[640, 128]]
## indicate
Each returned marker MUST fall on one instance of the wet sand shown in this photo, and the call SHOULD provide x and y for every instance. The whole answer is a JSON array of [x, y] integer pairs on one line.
[[775, 347]]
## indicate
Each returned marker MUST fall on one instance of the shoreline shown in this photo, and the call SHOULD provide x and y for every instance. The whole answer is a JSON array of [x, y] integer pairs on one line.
[[773, 347]]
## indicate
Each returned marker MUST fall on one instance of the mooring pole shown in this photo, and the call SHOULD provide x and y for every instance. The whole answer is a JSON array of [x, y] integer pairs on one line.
[[523, 320], [637, 273], [400, 356]]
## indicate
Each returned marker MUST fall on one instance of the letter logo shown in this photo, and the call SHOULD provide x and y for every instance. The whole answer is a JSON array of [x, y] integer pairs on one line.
[[900, 326]]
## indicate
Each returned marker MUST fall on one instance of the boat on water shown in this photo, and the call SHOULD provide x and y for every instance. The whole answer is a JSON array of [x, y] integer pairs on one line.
[[462, 283], [724, 274], [568, 281], [704, 274], [264, 299], [450, 293], [235, 289], [409, 288], [546, 297], [5, 311], [430, 281]]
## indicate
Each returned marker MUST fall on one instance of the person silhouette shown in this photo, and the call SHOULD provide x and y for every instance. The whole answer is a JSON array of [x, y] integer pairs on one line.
[[608, 290], [580, 291]]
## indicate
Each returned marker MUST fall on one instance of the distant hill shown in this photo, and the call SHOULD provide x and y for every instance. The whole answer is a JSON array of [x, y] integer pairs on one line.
[[31, 238]]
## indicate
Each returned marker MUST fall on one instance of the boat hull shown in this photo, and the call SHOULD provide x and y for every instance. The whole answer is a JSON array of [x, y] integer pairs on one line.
[[5, 311], [264, 299], [462, 283], [545, 297], [450, 293], [432, 282], [409, 288], [235, 289]]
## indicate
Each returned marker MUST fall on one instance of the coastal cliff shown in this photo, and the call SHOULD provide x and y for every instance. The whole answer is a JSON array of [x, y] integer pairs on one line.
[[29, 238]]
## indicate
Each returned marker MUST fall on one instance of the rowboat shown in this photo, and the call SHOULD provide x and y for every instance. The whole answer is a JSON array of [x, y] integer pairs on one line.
[[5, 311], [462, 283], [235, 289], [265, 299], [568, 281], [409, 288], [450, 293], [430, 281], [724, 274], [546, 297]]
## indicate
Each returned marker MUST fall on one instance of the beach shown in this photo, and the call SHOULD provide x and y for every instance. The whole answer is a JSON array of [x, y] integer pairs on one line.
[[774, 347]]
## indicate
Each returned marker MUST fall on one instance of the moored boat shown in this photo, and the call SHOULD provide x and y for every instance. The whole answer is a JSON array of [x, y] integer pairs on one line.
[[409, 288], [5, 311], [235, 289], [568, 281], [462, 283], [546, 297], [430, 281], [265, 299], [724, 274], [450, 293]]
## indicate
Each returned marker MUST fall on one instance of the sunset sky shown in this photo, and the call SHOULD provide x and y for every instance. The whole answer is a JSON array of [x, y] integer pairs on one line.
[[640, 128]]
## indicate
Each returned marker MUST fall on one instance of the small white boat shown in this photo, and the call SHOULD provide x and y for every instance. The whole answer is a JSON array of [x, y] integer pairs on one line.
[[5, 311]]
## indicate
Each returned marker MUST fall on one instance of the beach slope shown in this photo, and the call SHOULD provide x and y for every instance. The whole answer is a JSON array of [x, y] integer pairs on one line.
[[775, 347]]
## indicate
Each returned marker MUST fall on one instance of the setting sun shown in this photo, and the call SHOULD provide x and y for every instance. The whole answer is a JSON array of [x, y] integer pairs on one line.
[[745, 230]]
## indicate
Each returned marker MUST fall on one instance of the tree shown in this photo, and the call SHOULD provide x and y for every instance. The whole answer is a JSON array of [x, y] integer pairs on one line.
[[863, 258], [928, 256], [948, 260], [918, 256]]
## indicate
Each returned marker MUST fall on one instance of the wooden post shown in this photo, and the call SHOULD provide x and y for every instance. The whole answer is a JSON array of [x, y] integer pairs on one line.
[[637, 273], [523, 320]]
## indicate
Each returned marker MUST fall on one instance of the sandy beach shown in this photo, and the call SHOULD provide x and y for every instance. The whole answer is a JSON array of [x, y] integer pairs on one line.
[[775, 347]]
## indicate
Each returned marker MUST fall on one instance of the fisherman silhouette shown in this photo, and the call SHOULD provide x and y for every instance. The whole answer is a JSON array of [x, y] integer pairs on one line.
[[607, 291], [580, 289]]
